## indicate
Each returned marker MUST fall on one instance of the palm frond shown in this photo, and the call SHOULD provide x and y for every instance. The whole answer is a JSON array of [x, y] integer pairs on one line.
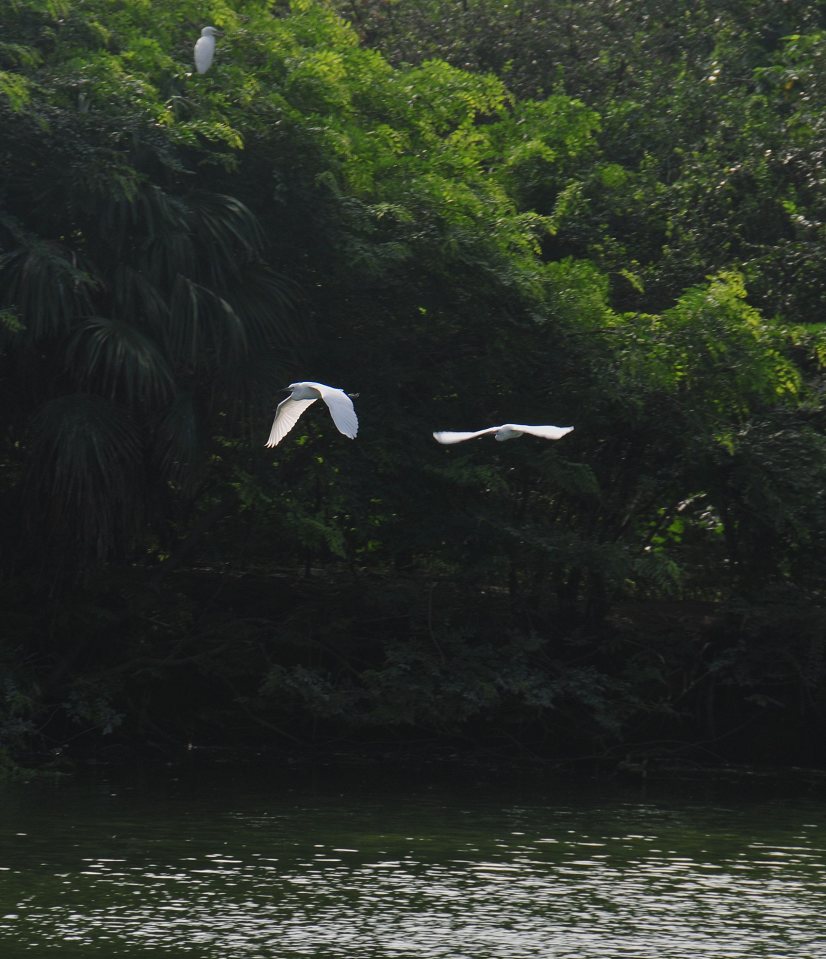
[[147, 212], [43, 283], [152, 230], [178, 445], [120, 360], [202, 322], [83, 477], [225, 225], [267, 301], [138, 300]]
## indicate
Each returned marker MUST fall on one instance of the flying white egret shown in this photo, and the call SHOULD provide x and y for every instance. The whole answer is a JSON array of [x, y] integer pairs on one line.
[[305, 394], [205, 49], [509, 431]]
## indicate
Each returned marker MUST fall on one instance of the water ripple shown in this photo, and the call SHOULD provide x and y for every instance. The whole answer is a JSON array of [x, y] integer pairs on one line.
[[406, 878]]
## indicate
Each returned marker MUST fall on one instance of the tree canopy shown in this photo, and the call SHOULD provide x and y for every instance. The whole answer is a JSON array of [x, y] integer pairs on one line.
[[598, 214]]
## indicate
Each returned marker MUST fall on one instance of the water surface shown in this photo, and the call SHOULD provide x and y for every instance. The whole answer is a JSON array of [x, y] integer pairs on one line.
[[223, 864]]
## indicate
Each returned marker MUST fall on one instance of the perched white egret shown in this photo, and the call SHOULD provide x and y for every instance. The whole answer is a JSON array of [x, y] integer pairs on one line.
[[507, 432], [205, 49], [305, 394]]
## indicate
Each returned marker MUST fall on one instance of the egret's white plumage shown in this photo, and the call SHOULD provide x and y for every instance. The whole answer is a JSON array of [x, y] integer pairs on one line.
[[205, 49], [304, 394], [509, 431]]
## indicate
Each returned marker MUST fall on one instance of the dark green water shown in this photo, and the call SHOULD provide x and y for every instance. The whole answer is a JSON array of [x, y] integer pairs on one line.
[[230, 865]]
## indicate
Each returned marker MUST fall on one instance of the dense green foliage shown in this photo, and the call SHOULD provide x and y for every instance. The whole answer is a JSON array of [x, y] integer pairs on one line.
[[604, 214]]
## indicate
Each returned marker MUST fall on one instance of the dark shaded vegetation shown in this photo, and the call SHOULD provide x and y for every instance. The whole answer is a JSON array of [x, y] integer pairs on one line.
[[603, 214]]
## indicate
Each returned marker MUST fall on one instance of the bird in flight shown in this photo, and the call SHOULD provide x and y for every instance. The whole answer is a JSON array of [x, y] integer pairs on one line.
[[509, 431], [304, 394], [205, 49]]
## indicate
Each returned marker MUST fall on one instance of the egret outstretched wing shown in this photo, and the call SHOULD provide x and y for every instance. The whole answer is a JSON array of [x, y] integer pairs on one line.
[[286, 416], [546, 432], [304, 394], [341, 409], [508, 431], [448, 436]]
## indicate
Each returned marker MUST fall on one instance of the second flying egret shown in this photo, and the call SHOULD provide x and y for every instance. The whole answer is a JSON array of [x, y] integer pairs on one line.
[[509, 431], [205, 49], [304, 394]]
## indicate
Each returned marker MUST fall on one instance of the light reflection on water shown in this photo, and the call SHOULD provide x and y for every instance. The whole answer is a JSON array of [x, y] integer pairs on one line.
[[88, 869]]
